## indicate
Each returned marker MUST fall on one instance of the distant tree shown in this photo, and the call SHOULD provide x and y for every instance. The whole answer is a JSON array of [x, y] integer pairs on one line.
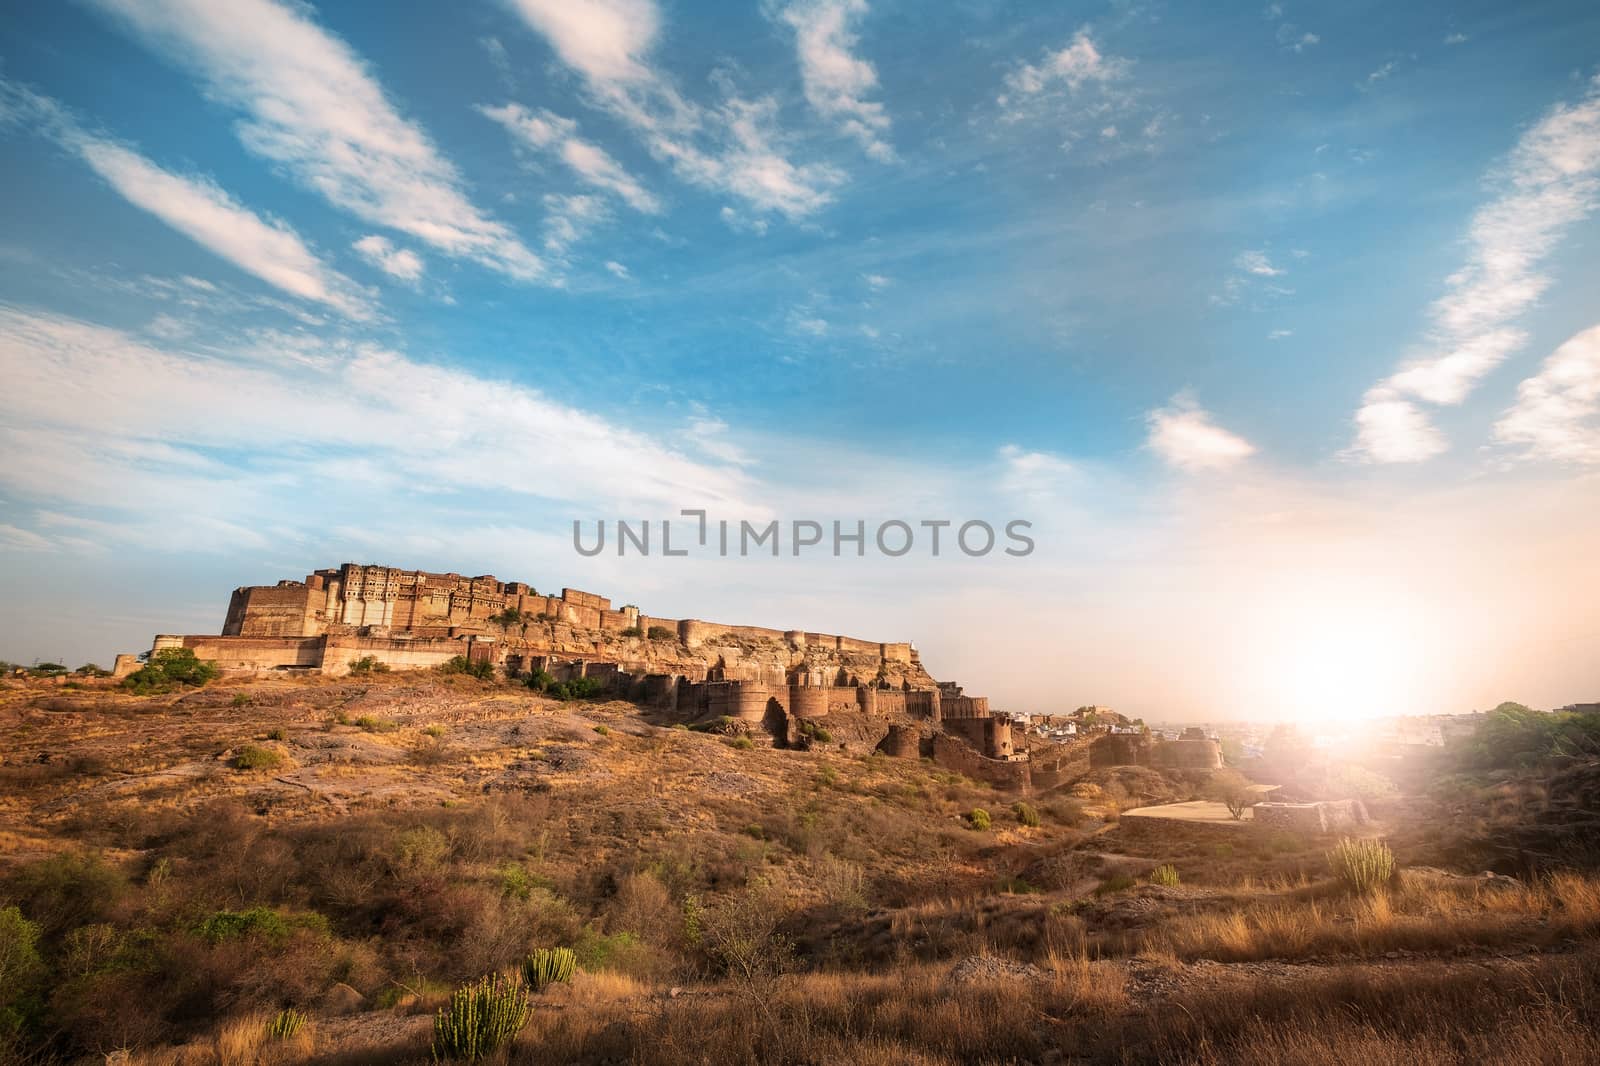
[[1232, 789], [92, 670], [168, 669]]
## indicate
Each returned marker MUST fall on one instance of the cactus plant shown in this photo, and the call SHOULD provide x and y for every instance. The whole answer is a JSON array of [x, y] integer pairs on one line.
[[1362, 866], [547, 966], [479, 1018]]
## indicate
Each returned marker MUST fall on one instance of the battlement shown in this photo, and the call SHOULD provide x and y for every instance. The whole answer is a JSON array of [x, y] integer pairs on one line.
[[776, 680]]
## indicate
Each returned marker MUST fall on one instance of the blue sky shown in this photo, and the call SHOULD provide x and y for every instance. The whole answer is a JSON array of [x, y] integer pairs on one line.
[[1235, 304]]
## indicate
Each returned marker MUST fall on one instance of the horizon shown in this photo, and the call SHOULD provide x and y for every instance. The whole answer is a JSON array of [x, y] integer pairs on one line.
[[1274, 322]]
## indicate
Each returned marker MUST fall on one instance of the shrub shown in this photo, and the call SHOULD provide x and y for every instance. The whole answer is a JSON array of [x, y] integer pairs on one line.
[[433, 731], [263, 922], [1165, 874], [19, 969], [548, 966], [375, 725], [579, 688], [168, 669], [278, 734], [1114, 883], [978, 818], [251, 757], [483, 669], [741, 743], [92, 670], [661, 633], [815, 732], [479, 1019], [509, 617], [368, 664], [1026, 815], [603, 730], [285, 1024], [241, 699], [634, 631], [540, 680], [1362, 866]]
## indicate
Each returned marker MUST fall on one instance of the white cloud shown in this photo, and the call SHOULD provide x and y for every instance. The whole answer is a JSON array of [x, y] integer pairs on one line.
[[837, 81], [1456, 38], [1550, 181], [876, 282], [1034, 476], [570, 218], [194, 206], [1557, 413], [734, 147], [1185, 436], [1395, 430], [381, 252], [1257, 263], [1280, 334], [17, 539], [1079, 63], [105, 417], [618, 270], [804, 322], [550, 132], [710, 436], [310, 104]]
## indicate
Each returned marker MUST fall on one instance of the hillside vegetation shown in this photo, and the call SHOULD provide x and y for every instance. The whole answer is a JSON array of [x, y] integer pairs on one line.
[[322, 871]]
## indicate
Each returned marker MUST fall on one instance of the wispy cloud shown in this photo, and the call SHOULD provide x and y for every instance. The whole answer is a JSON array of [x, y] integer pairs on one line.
[[309, 104], [1079, 63], [1557, 413], [381, 252], [1257, 263], [104, 417], [194, 206], [547, 131], [838, 83], [734, 147], [1550, 181], [1184, 435]]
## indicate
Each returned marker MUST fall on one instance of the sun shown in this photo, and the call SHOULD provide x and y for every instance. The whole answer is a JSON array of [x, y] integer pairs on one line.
[[1331, 660]]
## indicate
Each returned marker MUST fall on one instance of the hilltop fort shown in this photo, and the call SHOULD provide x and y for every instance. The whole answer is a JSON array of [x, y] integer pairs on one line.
[[780, 681]]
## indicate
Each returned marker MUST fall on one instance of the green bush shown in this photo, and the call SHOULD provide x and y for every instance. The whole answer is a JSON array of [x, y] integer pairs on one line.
[[603, 730], [433, 731], [368, 664], [483, 669], [741, 743], [815, 732], [20, 970], [1362, 866], [978, 818], [479, 1019], [548, 966], [634, 631], [575, 689], [241, 699], [1114, 883], [278, 734], [1026, 815], [661, 633], [509, 617], [251, 757], [540, 681], [1165, 874], [262, 922], [285, 1025], [375, 725], [168, 669]]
